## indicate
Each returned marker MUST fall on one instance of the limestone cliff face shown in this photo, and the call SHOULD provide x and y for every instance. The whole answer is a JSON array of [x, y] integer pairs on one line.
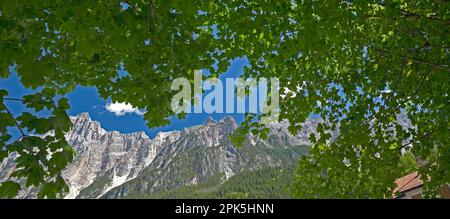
[[99, 152], [113, 165], [120, 156], [204, 152]]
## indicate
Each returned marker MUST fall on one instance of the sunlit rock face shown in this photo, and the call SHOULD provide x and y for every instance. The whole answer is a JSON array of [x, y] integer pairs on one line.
[[99, 152], [112, 164], [205, 152]]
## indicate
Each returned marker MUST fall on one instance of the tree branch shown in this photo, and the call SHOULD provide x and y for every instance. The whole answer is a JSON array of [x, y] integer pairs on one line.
[[149, 18], [17, 124], [414, 140], [14, 99], [408, 14], [128, 3], [406, 58], [431, 17]]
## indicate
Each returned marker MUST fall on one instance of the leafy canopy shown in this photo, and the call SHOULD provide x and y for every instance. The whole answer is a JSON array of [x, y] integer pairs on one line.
[[355, 64]]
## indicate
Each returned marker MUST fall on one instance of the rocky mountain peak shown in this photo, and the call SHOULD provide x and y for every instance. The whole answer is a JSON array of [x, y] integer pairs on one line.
[[229, 120], [210, 121], [81, 117], [205, 152], [107, 160], [118, 156]]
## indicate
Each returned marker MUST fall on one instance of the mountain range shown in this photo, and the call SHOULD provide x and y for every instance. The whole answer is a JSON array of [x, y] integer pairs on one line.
[[199, 161]]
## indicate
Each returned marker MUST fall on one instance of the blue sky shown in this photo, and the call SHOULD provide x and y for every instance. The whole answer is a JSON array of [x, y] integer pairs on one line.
[[86, 99]]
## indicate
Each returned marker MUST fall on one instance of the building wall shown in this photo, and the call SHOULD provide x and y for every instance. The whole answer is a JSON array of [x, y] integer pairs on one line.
[[445, 191], [415, 193]]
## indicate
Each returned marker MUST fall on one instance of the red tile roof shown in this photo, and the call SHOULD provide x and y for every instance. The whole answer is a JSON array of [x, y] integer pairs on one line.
[[408, 182]]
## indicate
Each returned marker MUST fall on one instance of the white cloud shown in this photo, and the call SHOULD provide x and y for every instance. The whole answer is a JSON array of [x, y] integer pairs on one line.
[[120, 109]]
